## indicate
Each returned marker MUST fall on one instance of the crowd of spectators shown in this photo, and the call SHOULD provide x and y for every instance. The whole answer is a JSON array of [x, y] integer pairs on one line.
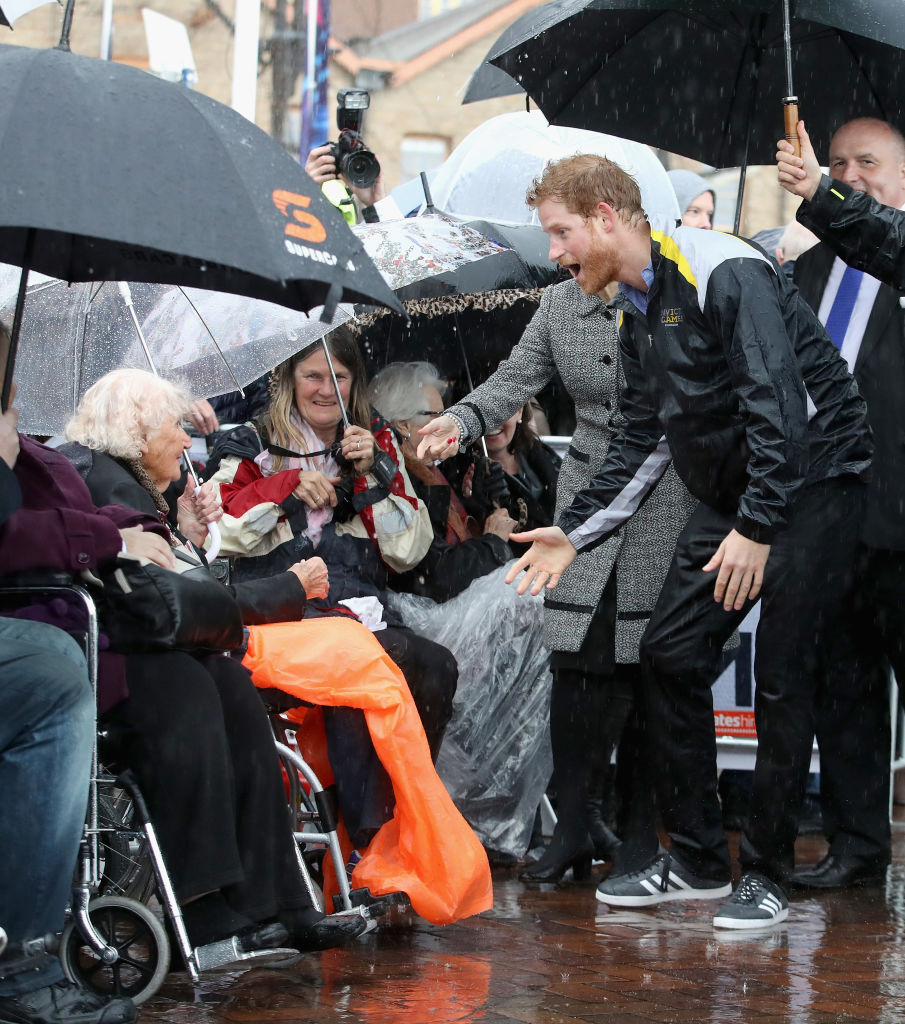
[[334, 496]]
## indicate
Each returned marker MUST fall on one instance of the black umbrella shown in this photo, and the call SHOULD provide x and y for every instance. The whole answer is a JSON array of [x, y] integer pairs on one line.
[[706, 78], [464, 336], [458, 333], [488, 82], [110, 173]]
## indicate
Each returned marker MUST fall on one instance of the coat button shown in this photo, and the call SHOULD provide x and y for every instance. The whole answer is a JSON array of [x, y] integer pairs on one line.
[[83, 558], [608, 405], [606, 360]]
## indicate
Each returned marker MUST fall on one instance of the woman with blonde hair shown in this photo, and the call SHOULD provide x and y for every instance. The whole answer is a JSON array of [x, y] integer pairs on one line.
[[298, 483]]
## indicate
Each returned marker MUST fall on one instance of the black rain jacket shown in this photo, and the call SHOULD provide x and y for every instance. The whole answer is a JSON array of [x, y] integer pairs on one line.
[[731, 374], [862, 232]]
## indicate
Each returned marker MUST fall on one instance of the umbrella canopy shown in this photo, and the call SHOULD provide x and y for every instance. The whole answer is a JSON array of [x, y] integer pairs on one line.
[[488, 82], [118, 175], [489, 172], [453, 331], [12, 9], [431, 255], [207, 342], [706, 78]]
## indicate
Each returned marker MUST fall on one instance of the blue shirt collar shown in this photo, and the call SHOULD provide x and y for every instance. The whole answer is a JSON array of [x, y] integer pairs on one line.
[[635, 295]]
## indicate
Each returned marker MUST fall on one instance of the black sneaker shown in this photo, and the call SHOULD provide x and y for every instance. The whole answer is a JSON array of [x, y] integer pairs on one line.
[[66, 1003], [662, 879], [756, 903]]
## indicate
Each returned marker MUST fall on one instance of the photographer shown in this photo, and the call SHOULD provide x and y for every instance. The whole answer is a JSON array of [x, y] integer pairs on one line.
[[347, 168]]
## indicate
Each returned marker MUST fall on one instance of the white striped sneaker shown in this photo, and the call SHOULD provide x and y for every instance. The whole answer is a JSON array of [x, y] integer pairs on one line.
[[662, 879], [756, 903]]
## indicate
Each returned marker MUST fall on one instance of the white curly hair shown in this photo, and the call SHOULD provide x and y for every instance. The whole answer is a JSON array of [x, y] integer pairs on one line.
[[124, 408], [397, 391]]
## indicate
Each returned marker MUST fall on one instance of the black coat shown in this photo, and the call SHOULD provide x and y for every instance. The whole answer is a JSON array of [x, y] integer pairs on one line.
[[278, 598], [541, 511], [448, 569], [731, 374], [862, 232], [880, 373]]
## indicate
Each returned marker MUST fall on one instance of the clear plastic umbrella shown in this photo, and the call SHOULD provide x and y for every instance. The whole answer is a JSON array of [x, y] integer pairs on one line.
[[208, 342], [490, 170]]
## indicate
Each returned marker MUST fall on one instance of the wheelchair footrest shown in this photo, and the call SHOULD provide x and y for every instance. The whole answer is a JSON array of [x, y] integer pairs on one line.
[[229, 951], [375, 905]]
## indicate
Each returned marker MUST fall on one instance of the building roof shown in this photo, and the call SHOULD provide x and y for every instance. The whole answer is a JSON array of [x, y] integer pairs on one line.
[[402, 54]]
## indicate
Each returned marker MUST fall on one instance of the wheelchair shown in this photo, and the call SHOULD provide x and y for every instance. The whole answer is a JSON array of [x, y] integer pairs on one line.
[[113, 942]]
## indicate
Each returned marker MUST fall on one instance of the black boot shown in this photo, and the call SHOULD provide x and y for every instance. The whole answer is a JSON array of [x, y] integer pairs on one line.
[[606, 842], [310, 930], [565, 851], [576, 702]]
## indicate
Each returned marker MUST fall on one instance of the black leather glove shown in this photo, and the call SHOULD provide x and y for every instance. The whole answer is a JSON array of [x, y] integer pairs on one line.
[[490, 484]]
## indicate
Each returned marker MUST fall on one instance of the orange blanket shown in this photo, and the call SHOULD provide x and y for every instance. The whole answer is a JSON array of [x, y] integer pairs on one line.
[[427, 850]]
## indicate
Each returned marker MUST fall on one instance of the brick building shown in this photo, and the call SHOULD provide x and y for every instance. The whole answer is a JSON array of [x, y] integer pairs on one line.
[[414, 56]]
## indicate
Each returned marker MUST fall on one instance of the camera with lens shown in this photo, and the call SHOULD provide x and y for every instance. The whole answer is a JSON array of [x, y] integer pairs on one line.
[[354, 161]]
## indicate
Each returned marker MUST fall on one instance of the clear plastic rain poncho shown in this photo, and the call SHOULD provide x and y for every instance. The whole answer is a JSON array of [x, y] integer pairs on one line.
[[495, 760]]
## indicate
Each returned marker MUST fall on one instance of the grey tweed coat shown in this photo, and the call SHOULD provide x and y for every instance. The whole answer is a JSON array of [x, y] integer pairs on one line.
[[576, 334]]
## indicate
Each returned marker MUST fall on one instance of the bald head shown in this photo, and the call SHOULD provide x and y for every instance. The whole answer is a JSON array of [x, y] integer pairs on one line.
[[869, 155]]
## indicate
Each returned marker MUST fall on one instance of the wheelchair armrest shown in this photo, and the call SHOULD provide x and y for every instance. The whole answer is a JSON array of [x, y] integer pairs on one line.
[[37, 578], [278, 701]]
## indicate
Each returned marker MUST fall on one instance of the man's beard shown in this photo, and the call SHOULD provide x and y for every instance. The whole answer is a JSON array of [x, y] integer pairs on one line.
[[599, 268]]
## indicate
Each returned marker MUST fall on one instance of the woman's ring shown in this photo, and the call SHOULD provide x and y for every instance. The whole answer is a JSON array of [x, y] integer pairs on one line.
[[358, 445]]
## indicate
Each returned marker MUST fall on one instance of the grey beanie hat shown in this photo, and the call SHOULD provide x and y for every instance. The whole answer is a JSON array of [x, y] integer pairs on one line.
[[688, 186]]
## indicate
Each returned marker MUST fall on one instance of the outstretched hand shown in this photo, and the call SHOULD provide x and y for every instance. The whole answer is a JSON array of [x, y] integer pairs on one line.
[[799, 175], [550, 554], [741, 563], [439, 438]]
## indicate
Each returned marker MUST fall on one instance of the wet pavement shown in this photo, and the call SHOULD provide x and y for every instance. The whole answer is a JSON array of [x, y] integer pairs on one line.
[[553, 955]]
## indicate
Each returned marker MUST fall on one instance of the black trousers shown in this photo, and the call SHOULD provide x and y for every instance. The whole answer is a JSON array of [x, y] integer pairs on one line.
[[196, 735], [363, 788], [591, 714], [807, 581], [854, 733], [636, 806]]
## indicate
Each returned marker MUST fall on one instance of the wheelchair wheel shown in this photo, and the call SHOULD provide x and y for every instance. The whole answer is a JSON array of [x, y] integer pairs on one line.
[[126, 860], [138, 936]]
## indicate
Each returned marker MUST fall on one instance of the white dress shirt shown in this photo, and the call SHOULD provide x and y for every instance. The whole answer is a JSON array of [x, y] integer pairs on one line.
[[864, 303]]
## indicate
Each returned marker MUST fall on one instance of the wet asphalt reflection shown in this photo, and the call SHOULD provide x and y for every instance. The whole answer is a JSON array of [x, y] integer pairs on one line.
[[552, 955]]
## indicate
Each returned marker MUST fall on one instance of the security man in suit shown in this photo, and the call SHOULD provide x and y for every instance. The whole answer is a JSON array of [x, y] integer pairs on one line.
[[866, 321]]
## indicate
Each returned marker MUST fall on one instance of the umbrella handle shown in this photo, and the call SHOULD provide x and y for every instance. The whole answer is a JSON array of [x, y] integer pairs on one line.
[[791, 118], [212, 529], [216, 539]]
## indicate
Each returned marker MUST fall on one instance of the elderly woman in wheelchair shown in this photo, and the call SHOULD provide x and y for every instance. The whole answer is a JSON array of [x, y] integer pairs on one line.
[[126, 441], [192, 728]]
